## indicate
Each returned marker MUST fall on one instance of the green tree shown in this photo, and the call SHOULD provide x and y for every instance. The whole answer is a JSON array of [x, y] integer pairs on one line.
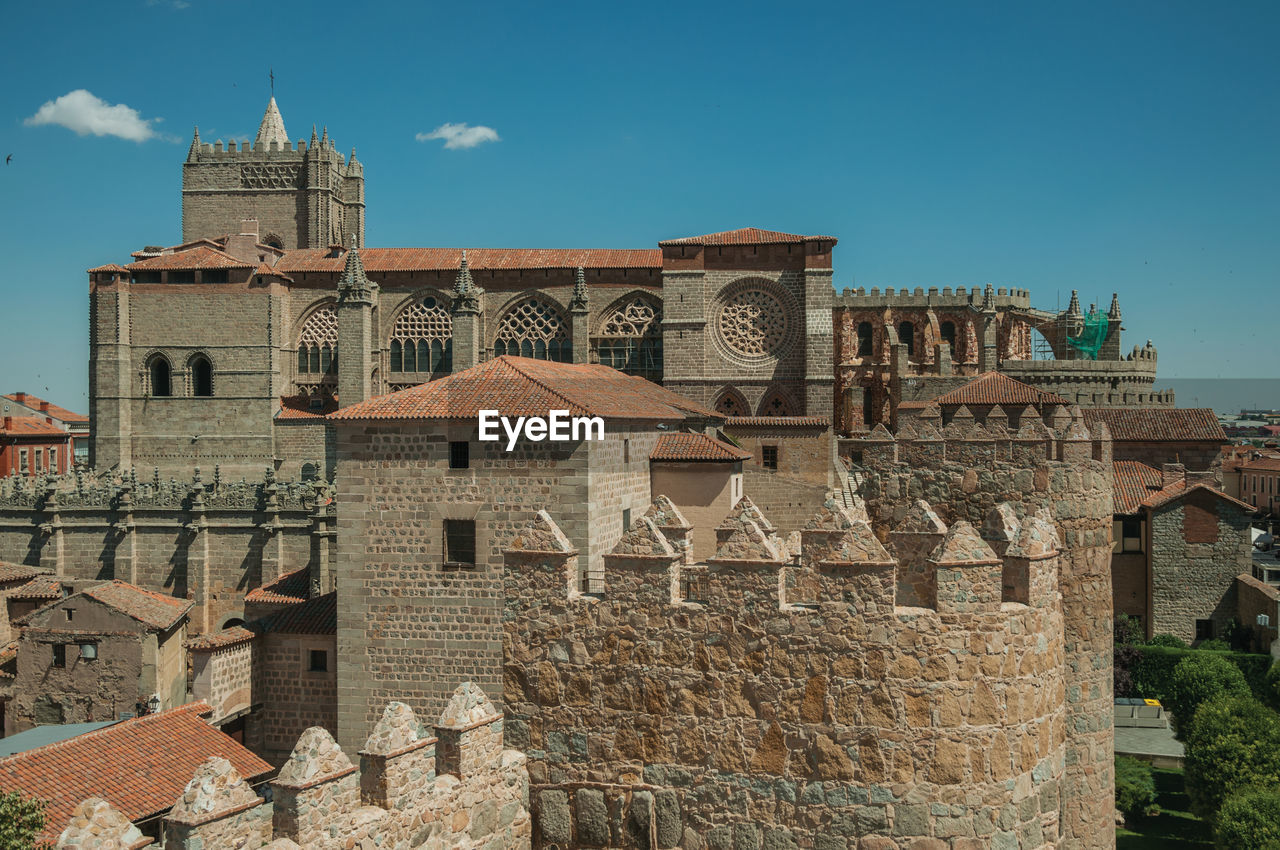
[[1135, 787], [1166, 639], [1249, 818], [20, 822], [1234, 744], [1197, 679]]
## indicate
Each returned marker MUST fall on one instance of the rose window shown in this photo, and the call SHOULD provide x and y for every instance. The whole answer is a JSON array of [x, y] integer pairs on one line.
[[753, 323]]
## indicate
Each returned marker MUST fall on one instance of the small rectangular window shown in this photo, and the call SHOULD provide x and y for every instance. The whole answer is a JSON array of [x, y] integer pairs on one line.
[[319, 661], [53, 460], [214, 276], [22, 461], [626, 454], [769, 456], [70, 612], [59, 655], [1204, 629], [626, 519], [89, 652], [460, 542], [1131, 535], [460, 455]]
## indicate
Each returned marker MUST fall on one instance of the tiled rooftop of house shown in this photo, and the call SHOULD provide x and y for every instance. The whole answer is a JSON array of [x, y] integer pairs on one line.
[[30, 426], [997, 388], [140, 766], [19, 572], [478, 259], [318, 616], [778, 421], [146, 606], [519, 386], [199, 257], [53, 410], [696, 448], [745, 236], [289, 588], [305, 407], [1261, 464], [40, 587], [1134, 482], [1157, 424]]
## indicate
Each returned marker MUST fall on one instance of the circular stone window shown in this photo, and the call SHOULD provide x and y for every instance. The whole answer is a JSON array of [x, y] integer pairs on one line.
[[753, 324]]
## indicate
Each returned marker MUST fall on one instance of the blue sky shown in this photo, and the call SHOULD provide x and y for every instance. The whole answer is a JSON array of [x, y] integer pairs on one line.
[[1105, 147]]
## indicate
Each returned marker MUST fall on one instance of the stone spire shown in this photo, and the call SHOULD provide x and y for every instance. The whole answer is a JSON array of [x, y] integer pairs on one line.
[[989, 299], [271, 129], [354, 168], [1073, 309], [324, 139], [315, 142], [465, 293], [195, 144], [1114, 313], [354, 283], [579, 299]]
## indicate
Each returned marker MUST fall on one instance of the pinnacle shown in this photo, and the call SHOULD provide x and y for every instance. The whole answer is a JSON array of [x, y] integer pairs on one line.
[[462, 283], [271, 129]]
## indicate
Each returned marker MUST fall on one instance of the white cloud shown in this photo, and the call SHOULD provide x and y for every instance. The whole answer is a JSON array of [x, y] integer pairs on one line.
[[458, 136], [86, 113]]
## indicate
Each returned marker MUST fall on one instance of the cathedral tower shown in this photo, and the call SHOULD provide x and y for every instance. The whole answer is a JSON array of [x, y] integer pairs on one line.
[[305, 195]]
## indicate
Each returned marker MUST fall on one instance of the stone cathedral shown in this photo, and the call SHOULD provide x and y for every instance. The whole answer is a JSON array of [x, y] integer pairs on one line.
[[229, 349]]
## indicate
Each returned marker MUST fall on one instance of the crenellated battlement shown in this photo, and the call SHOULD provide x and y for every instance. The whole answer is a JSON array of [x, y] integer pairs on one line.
[[1002, 298], [457, 788]]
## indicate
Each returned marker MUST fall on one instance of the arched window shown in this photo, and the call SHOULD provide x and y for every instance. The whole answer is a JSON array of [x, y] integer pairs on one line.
[[201, 376], [533, 328], [274, 240], [948, 331], [731, 404], [631, 339], [907, 336], [422, 339], [776, 405], [865, 336], [318, 349], [161, 376]]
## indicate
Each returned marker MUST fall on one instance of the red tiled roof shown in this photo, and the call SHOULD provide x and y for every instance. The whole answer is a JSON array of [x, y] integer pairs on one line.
[[140, 766], [1134, 482], [145, 606], [42, 587], [18, 572], [218, 640], [1262, 464], [30, 426], [59, 413], [744, 236], [777, 421], [318, 616], [998, 388], [1178, 489], [478, 259], [1157, 424], [200, 257], [299, 407], [696, 448], [290, 587], [265, 269], [520, 386], [109, 267]]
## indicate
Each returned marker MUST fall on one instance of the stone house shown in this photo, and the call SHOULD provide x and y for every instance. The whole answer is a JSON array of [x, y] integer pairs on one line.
[[1190, 436], [33, 445], [98, 654], [77, 424], [1178, 544], [13, 578], [792, 465], [1259, 479], [702, 476]]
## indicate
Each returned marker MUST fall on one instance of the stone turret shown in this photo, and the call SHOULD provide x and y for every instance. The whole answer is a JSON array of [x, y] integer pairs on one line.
[[271, 131], [466, 318], [579, 313], [357, 296]]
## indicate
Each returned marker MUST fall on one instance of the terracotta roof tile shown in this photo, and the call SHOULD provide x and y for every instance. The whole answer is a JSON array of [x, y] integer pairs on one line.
[[1178, 489], [19, 572], [998, 388], [1134, 482], [109, 267], [57, 412], [1157, 424], [696, 448], [445, 259], [199, 257], [778, 421], [744, 236], [43, 587], [299, 407], [318, 616], [519, 386], [140, 766], [1261, 464], [220, 640], [30, 426], [290, 587], [145, 606]]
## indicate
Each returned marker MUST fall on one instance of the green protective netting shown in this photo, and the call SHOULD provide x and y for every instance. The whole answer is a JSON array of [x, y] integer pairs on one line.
[[1091, 336]]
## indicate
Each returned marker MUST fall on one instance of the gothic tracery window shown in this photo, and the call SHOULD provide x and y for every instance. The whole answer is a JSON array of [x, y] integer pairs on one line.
[[865, 337], [534, 328], [776, 405], [731, 404], [318, 349], [753, 323], [422, 339], [631, 339]]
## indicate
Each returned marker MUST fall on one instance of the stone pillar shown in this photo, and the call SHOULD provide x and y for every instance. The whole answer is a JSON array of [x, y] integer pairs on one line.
[[126, 552], [469, 733], [579, 317], [819, 380], [322, 537], [111, 373], [97, 823], [52, 552], [968, 574], [314, 787], [271, 527], [357, 296], [466, 308], [912, 542], [196, 528], [398, 762], [217, 809]]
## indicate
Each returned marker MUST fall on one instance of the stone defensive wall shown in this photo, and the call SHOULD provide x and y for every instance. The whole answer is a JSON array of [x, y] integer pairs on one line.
[[864, 299], [454, 789], [210, 541], [836, 689], [1050, 467]]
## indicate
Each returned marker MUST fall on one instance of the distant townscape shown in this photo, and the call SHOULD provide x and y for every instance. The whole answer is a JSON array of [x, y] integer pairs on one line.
[[839, 569]]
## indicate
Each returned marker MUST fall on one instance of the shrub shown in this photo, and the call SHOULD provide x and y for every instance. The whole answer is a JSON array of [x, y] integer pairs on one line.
[[1238, 635], [1167, 640], [1126, 630], [1214, 645], [1135, 787], [1198, 678], [20, 821], [1248, 818], [1233, 744]]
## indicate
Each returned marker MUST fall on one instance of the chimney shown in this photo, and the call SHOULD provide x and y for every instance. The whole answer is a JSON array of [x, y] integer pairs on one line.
[[1172, 473], [249, 227], [8, 422], [44, 407], [20, 398]]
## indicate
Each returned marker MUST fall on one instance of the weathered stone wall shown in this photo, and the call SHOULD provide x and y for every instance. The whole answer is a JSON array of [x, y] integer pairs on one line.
[[1199, 544], [748, 720], [406, 793], [82, 691], [210, 541], [223, 678], [293, 696]]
